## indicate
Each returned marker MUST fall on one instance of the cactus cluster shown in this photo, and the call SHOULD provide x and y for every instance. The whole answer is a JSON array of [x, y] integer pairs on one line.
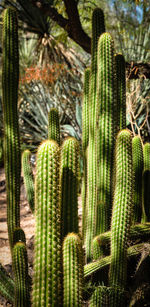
[[115, 188]]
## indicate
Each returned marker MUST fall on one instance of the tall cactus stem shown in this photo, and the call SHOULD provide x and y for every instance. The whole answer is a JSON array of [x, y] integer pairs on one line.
[[146, 184], [54, 125], [85, 141], [121, 91], [20, 268], [10, 78], [47, 281], [122, 210], [137, 152], [98, 27], [69, 185], [73, 271], [28, 178]]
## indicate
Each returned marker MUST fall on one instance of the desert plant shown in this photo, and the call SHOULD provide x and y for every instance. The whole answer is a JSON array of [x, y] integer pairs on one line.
[[53, 125], [10, 78], [72, 271], [47, 282], [146, 184], [6, 285], [28, 177]]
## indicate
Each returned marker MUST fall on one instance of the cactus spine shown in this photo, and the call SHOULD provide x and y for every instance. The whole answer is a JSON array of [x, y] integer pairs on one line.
[[72, 271], [137, 152], [106, 124], [146, 184], [122, 208], [85, 141], [69, 185], [47, 283], [28, 178], [98, 27], [20, 268], [53, 125], [10, 78]]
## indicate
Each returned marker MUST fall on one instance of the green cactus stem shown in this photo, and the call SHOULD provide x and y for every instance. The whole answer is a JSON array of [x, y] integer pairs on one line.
[[85, 141], [6, 285], [137, 152], [19, 236], [28, 178], [106, 131], [10, 78], [121, 91], [101, 243], [69, 185], [73, 271], [47, 281], [146, 184], [54, 125], [98, 27], [103, 263], [122, 209], [20, 268]]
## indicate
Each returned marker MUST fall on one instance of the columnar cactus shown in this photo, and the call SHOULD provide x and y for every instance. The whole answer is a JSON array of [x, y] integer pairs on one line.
[[10, 78], [106, 131], [69, 185], [85, 141], [54, 125], [47, 281], [137, 152], [28, 177], [72, 271], [146, 184], [122, 209], [98, 27], [20, 268], [100, 297], [121, 91]]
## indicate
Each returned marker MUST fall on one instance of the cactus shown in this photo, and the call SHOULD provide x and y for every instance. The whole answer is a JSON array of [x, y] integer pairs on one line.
[[85, 141], [122, 209], [106, 124], [19, 235], [53, 125], [104, 297], [98, 27], [121, 91], [10, 78], [72, 271], [146, 184], [47, 281], [6, 285], [28, 178], [69, 185], [137, 152], [20, 268], [103, 263]]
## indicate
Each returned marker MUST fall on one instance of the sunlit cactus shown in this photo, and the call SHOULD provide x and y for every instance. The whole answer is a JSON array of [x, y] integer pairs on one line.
[[54, 125], [10, 79]]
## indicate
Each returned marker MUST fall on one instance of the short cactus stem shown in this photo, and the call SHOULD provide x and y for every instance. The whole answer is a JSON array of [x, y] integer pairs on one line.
[[54, 125], [10, 79], [122, 209], [98, 27], [69, 185], [47, 281], [72, 271], [19, 236], [137, 152], [20, 268], [107, 296], [28, 178]]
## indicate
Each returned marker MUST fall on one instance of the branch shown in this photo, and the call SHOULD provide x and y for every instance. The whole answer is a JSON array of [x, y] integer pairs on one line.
[[138, 70]]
